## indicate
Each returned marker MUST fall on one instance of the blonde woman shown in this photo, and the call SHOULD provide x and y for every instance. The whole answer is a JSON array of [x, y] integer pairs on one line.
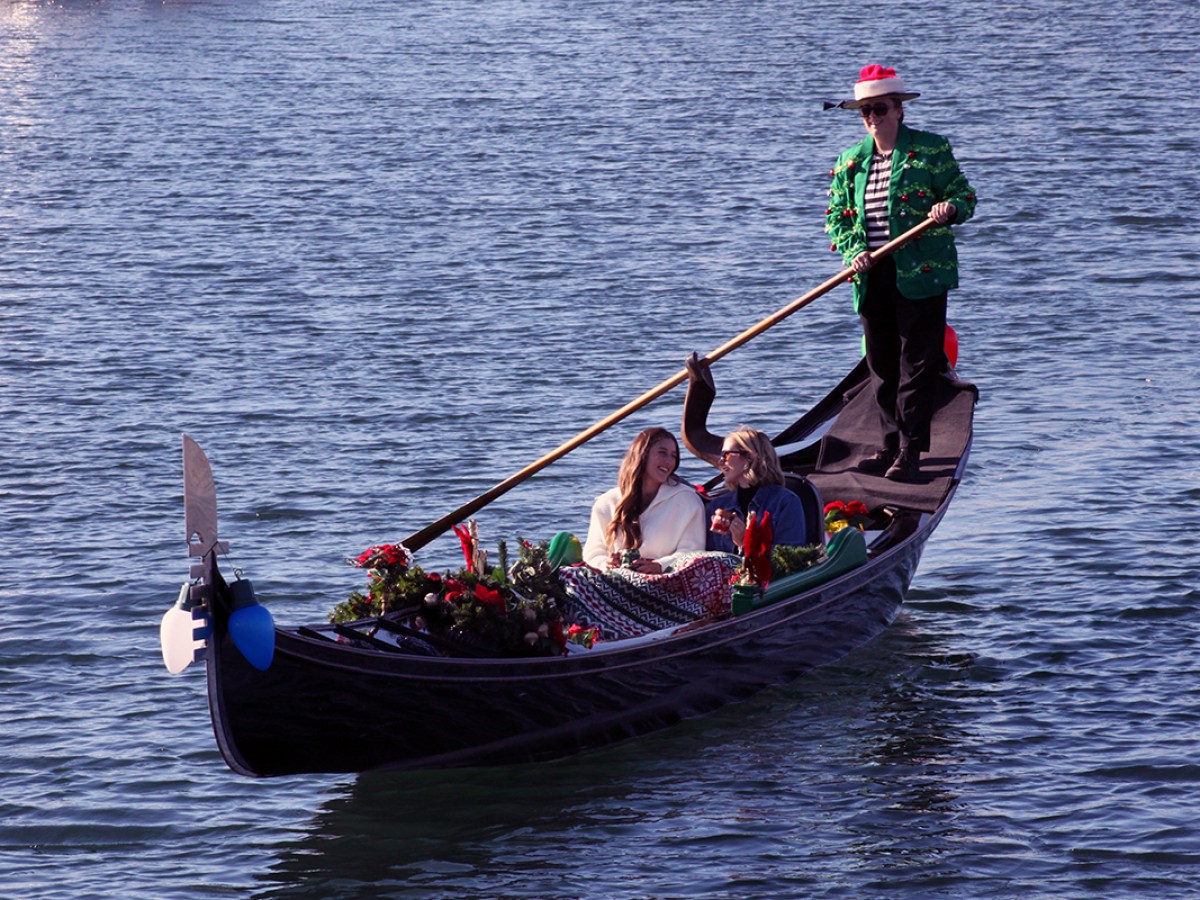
[[754, 483], [754, 480]]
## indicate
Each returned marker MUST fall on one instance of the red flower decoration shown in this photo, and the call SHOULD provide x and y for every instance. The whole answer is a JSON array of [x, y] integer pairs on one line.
[[579, 635], [839, 514], [386, 555], [489, 597]]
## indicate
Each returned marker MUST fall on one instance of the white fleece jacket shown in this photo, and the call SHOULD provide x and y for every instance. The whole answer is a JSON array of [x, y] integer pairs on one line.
[[673, 522]]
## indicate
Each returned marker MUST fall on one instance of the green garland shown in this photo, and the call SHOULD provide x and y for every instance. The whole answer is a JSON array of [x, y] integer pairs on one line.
[[508, 611], [513, 613], [786, 558]]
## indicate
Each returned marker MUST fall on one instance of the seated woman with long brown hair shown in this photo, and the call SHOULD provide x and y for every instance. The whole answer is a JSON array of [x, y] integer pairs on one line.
[[644, 562], [651, 510]]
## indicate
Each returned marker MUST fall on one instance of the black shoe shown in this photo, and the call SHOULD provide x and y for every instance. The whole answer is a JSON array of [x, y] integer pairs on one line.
[[906, 467], [879, 463]]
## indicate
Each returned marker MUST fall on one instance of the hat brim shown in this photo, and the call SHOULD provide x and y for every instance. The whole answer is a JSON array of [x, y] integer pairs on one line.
[[858, 104]]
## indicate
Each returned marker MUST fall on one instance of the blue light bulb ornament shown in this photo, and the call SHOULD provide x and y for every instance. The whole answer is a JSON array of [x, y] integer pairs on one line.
[[251, 626], [183, 633]]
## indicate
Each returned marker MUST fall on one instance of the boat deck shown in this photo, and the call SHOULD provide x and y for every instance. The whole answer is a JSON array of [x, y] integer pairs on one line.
[[855, 436]]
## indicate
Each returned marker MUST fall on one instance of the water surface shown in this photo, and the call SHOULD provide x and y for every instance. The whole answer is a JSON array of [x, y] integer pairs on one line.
[[376, 258]]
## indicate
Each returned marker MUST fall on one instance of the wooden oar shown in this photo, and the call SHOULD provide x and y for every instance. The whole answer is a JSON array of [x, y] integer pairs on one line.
[[429, 532]]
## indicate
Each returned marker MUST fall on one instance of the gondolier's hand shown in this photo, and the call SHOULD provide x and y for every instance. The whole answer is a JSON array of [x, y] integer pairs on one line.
[[943, 212], [862, 262]]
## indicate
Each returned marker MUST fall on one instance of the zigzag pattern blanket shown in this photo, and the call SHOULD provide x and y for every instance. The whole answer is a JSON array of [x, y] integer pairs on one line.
[[624, 603]]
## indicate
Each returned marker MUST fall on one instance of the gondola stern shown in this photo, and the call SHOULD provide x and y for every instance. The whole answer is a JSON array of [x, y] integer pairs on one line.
[[233, 620]]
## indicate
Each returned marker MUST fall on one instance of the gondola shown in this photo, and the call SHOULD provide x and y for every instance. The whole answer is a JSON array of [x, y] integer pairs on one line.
[[368, 695], [354, 697]]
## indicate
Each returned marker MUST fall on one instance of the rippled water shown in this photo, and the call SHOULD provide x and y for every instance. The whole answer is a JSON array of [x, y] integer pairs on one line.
[[377, 257]]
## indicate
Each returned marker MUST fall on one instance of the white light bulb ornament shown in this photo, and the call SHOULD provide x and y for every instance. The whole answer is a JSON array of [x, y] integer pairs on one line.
[[183, 633]]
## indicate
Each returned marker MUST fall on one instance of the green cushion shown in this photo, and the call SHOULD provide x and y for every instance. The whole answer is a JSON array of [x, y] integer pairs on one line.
[[846, 550]]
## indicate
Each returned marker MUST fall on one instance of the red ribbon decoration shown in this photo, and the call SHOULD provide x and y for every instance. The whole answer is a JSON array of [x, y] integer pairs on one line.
[[464, 537], [756, 548]]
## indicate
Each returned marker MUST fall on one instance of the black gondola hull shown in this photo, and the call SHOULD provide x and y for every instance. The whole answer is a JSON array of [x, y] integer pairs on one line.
[[325, 706], [322, 707]]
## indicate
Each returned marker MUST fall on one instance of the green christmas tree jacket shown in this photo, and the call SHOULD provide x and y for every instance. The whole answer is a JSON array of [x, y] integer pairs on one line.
[[924, 172]]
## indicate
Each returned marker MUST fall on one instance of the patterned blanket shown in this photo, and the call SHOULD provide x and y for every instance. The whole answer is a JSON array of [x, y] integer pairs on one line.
[[624, 603]]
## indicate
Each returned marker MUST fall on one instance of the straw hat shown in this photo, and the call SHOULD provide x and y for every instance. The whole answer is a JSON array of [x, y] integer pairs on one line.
[[876, 81]]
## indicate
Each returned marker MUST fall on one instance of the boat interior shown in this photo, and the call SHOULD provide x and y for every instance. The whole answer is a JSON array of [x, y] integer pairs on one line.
[[829, 440]]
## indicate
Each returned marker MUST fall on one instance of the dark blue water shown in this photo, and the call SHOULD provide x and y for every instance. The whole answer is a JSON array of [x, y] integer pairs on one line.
[[377, 257]]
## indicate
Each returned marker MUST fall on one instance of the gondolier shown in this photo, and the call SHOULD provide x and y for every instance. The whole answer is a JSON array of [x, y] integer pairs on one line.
[[885, 184]]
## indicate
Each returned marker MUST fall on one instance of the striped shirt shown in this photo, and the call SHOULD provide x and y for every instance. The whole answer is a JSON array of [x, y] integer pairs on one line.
[[875, 201]]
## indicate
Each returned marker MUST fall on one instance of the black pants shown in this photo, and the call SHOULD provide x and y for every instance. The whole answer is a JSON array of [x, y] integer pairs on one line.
[[905, 353]]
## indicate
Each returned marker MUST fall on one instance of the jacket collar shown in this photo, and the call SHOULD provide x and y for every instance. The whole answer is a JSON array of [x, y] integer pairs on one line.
[[903, 141]]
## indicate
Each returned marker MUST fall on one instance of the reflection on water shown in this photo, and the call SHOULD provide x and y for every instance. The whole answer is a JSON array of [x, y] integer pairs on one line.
[[877, 737]]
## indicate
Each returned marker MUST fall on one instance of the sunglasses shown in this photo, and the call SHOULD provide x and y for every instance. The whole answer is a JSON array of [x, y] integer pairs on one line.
[[725, 454], [879, 109]]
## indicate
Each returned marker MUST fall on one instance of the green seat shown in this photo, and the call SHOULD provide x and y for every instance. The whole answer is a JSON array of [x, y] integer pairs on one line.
[[846, 550]]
